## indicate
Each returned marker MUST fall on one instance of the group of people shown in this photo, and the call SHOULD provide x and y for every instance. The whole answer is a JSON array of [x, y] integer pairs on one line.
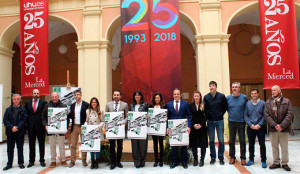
[[205, 116]]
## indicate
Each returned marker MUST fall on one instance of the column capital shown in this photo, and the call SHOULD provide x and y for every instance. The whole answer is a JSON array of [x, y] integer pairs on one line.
[[92, 11], [6, 51], [211, 38], [85, 44], [210, 5]]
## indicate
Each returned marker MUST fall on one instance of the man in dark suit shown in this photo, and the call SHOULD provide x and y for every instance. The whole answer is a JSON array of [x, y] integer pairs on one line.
[[179, 109], [116, 106], [77, 116], [35, 127], [15, 118]]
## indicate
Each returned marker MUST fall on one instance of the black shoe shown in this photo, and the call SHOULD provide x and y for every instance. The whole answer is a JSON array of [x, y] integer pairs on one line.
[[96, 165], [142, 165], [185, 166], [222, 162], [155, 164], [286, 167], [120, 165], [30, 165], [212, 161], [21, 166], [173, 165], [195, 163], [6, 168], [201, 163], [161, 163], [112, 167], [137, 166], [43, 164]]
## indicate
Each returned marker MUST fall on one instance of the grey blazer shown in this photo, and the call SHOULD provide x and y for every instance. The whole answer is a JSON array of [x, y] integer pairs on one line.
[[123, 107]]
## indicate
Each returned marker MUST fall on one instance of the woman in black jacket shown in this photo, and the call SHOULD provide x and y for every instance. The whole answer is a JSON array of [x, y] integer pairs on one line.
[[139, 147], [158, 103], [198, 135]]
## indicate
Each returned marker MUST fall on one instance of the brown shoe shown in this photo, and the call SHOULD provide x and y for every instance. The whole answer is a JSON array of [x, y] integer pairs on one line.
[[243, 162], [286, 167], [274, 166], [71, 164], [232, 161], [64, 163], [52, 165], [84, 163]]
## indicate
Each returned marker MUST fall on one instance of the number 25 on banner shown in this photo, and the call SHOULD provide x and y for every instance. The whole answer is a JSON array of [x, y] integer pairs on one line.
[[135, 24]]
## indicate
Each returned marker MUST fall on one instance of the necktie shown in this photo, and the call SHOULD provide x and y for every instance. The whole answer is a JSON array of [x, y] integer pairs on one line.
[[116, 107], [176, 107], [34, 106]]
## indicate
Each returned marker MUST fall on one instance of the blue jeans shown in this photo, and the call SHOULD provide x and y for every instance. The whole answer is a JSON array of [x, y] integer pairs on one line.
[[93, 155], [211, 127]]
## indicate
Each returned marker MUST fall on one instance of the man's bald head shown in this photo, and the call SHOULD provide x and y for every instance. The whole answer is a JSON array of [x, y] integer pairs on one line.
[[54, 97], [276, 91]]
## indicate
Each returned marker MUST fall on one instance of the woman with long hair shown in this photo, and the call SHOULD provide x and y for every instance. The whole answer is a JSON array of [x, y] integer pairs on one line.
[[95, 117], [158, 103], [139, 147], [198, 135]]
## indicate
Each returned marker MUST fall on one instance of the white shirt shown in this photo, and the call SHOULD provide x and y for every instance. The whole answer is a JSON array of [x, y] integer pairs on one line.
[[77, 112], [37, 103], [136, 108], [175, 105], [118, 107]]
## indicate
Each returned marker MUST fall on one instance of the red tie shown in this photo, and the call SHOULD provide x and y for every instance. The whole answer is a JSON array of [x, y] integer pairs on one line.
[[34, 106]]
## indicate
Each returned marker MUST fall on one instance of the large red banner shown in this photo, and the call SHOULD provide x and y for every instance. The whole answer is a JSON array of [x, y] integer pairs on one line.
[[165, 47], [34, 46], [135, 51], [279, 43]]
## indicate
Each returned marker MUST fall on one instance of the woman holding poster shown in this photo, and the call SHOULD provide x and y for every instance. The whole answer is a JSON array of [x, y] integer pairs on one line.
[[158, 103], [95, 117], [139, 146], [198, 136]]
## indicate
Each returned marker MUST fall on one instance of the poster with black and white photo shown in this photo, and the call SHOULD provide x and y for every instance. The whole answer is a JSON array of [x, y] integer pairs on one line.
[[91, 138], [1, 107], [114, 125], [66, 95], [57, 120], [178, 132], [157, 121], [137, 125]]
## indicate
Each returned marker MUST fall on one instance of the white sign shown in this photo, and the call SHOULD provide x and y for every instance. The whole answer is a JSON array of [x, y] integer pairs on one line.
[[1, 107], [57, 120], [137, 125], [157, 121], [91, 138], [114, 125], [178, 132], [66, 95]]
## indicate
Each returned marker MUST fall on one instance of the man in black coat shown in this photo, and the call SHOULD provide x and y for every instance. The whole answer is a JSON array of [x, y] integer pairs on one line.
[[76, 118], [15, 118], [36, 130]]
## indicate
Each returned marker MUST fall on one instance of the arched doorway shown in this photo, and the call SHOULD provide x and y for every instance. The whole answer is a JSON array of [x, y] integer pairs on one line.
[[245, 55], [188, 60]]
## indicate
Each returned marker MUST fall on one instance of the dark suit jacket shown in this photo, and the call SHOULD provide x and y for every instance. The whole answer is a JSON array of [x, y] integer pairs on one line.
[[71, 115], [10, 122], [184, 111], [35, 118]]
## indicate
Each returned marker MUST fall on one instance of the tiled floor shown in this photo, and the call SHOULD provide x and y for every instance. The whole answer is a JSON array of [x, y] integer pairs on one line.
[[294, 156]]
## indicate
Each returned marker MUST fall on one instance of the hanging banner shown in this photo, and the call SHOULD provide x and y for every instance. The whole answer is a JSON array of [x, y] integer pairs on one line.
[[34, 46], [279, 43], [135, 51], [165, 47]]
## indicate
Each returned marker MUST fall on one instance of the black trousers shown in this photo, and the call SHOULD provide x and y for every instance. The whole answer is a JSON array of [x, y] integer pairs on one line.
[[237, 127], [203, 153], [260, 133], [158, 140], [18, 139], [116, 159], [33, 135], [184, 154], [139, 151]]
